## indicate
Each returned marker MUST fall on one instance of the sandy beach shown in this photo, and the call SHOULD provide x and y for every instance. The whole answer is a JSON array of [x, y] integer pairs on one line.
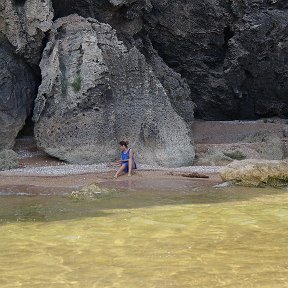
[[52, 180], [41, 174]]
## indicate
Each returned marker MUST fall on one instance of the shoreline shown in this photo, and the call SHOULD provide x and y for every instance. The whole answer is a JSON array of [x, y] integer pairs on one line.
[[65, 178], [43, 174]]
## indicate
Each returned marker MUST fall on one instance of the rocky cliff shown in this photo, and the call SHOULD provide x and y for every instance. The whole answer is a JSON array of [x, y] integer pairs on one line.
[[232, 53], [228, 57], [95, 91]]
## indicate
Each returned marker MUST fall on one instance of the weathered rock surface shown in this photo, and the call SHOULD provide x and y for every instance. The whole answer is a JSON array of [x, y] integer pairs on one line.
[[24, 23], [95, 92], [124, 15], [232, 53], [17, 93], [8, 160], [260, 146], [252, 172]]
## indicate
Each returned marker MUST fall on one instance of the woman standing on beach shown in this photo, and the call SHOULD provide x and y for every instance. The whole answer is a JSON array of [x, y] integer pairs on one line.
[[127, 160]]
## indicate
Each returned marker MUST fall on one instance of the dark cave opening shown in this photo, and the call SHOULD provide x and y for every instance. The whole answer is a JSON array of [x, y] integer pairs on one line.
[[28, 128]]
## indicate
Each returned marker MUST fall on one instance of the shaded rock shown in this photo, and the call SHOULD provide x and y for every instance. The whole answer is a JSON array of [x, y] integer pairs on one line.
[[226, 153], [176, 87], [272, 148], [255, 67], [8, 160], [95, 92], [285, 131], [257, 146], [24, 23], [252, 172], [123, 15], [18, 90], [213, 157], [233, 54], [269, 145]]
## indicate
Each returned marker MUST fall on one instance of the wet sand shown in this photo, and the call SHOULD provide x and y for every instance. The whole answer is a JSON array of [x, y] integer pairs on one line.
[[140, 181], [41, 174]]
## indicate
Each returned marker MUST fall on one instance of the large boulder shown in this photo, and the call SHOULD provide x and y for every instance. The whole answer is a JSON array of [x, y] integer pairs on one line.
[[255, 172], [95, 92], [17, 93], [24, 23]]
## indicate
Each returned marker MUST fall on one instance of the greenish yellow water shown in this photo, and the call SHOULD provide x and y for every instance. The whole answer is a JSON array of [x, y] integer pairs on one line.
[[232, 237]]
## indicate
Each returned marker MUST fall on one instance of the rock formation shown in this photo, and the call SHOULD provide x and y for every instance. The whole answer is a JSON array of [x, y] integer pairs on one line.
[[126, 16], [96, 92], [24, 23], [18, 89], [228, 57], [252, 172], [22, 29], [232, 53]]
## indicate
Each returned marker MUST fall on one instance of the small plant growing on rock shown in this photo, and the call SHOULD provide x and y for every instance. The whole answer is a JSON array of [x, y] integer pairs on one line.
[[76, 84]]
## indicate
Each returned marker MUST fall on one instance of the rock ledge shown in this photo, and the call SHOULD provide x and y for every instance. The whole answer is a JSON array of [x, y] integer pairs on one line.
[[255, 172]]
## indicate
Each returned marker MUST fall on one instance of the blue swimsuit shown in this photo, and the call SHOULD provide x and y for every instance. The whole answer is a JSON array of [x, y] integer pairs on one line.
[[125, 156]]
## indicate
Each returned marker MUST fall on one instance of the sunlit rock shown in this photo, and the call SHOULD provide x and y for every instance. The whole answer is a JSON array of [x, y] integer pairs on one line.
[[96, 92], [254, 172]]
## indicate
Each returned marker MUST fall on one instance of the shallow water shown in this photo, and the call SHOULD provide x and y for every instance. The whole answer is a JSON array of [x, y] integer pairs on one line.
[[207, 237]]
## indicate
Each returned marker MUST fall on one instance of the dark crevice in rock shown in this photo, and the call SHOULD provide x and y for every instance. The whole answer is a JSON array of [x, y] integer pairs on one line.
[[228, 34], [45, 41], [85, 8], [28, 128], [19, 2]]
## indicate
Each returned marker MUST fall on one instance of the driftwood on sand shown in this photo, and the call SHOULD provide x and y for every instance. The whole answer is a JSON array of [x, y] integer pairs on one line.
[[189, 175]]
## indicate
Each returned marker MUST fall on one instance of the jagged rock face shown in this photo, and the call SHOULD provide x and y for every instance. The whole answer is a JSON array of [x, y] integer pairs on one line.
[[176, 87], [95, 92], [18, 88], [256, 66], [123, 15], [24, 23], [233, 54]]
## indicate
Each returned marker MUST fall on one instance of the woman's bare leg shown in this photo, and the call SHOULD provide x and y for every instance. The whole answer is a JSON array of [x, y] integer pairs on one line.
[[130, 166], [120, 170]]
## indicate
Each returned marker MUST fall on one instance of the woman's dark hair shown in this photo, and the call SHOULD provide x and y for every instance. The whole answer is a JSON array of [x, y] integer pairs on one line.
[[124, 143]]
